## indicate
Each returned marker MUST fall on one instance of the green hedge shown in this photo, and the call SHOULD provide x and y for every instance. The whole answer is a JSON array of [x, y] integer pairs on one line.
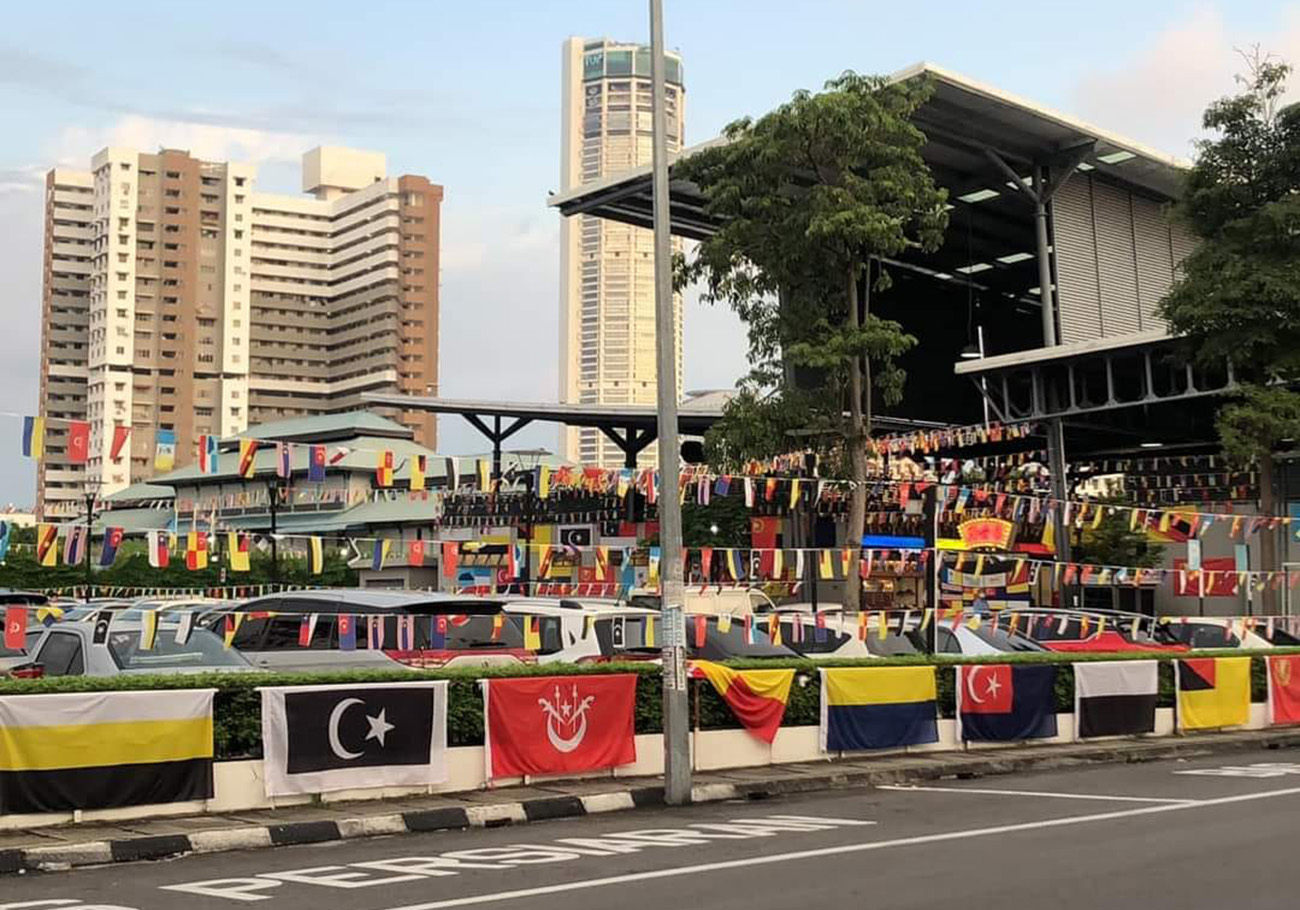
[[238, 708]]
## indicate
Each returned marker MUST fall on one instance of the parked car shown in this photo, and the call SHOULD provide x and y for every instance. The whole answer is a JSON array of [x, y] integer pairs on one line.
[[1088, 631], [16, 657], [1211, 632], [480, 631], [68, 649], [841, 637]]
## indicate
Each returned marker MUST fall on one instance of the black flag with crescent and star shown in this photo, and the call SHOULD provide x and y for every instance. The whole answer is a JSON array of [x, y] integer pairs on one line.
[[343, 729], [322, 738]]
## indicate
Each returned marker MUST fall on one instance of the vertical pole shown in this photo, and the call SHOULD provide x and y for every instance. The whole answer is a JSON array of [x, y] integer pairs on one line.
[[809, 469], [677, 760], [496, 447], [273, 492], [932, 580], [1055, 429], [90, 523]]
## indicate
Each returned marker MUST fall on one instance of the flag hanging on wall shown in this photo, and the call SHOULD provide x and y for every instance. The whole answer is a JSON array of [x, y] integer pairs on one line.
[[207, 454], [78, 441], [100, 750], [450, 555], [159, 549], [384, 469], [878, 708], [196, 550], [283, 468], [419, 465], [380, 553], [1284, 689], [34, 437], [112, 540], [239, 555], [120, 436], [316, 556], [1003, 703], [323, 738], [757, 697], [558, 724], [316, 464], [164, 455], [484, 474], [247, 457], [1213, 692]]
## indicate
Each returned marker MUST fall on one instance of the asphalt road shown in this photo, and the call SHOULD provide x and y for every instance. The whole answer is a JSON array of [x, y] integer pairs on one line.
[[1164, 835]]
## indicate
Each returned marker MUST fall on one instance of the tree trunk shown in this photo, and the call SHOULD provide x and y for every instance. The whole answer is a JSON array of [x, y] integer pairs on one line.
[[856, 443], [1268, 534]]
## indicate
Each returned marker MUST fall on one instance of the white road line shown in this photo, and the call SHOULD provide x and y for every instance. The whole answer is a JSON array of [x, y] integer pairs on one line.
[[1114, 799], [969, 833]]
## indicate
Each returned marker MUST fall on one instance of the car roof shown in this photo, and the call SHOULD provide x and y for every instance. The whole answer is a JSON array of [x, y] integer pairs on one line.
[[379, 599]]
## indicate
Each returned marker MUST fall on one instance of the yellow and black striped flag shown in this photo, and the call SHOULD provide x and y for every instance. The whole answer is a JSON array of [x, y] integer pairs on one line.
[[99, 750]]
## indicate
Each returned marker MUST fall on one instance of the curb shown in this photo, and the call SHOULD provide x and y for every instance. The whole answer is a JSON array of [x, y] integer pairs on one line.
[[492, 815]]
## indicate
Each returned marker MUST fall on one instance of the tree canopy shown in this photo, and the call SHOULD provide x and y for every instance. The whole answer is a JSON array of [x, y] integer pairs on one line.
[[810, 198]]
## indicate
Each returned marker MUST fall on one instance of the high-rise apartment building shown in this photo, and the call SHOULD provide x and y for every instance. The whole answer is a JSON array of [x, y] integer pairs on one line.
[[177, 299], [607, 299]]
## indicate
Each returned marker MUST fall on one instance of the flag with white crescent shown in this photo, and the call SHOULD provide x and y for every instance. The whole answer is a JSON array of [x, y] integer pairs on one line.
[[318, 739], [1005, 702]]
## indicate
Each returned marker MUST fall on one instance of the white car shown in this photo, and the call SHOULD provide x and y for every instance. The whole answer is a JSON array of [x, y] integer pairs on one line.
[[69, 649]]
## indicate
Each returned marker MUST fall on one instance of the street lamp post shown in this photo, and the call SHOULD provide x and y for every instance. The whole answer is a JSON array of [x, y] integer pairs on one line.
[[677, 756], [91, 496], [273, 492]]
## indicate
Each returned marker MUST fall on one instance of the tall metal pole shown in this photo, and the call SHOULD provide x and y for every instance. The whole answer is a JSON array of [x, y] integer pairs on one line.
[[1055, 428], [90, 524], [677, 749], [273, 492]]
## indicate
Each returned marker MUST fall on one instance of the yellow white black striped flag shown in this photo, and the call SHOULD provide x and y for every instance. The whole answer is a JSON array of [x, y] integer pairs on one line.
[[97, 750]]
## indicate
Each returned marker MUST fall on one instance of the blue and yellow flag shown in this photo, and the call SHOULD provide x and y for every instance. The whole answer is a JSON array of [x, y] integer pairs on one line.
[[878, 708]]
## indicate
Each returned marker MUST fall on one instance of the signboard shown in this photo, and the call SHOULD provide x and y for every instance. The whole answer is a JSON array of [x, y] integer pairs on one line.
[[674, 650], [986, 533]]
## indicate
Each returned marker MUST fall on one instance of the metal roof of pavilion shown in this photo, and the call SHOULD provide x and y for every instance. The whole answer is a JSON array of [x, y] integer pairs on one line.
[[964, 121]]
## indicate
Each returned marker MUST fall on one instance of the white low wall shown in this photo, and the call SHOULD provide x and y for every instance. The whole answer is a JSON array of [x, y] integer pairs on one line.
[[239, 785]]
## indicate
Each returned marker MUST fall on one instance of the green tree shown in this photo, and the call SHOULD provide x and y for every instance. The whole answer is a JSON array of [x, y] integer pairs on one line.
[[1238, 296], [1113, 544], [811, 197]]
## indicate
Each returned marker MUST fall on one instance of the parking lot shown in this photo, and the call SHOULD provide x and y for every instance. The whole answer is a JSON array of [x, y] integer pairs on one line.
[[1190, 834]]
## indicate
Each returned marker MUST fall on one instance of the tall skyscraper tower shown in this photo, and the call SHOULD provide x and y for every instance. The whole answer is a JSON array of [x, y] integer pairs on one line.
[[607, 294]]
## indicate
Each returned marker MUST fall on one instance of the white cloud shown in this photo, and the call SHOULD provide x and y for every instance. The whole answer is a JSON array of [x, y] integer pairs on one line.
[[74, 145], [1157, 95]]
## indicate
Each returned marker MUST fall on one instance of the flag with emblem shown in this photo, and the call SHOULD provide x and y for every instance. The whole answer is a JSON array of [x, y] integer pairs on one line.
[[1212, 692], [112, 540], [319, 739], [1004, 703], [283, 465], [1284, 689], [16, 628], [120, 435], [74, 545], [164, 454], [78, 442], [316, 464], [196, 550], [559, 724], [306, 629], [158, 543]]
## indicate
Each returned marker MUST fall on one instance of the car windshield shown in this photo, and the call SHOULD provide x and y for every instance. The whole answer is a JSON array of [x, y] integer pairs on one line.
[[1201, 634], [202, 651], [726, 645]]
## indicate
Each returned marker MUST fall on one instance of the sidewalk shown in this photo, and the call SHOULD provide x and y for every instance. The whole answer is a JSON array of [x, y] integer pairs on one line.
[[49, 849]]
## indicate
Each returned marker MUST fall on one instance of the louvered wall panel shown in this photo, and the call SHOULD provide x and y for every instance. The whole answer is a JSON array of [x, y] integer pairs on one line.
[[1113, 220], [1155, 264], [1078, 297]]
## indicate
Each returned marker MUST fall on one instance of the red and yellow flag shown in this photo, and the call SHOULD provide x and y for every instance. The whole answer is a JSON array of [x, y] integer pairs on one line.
[[757, 697]]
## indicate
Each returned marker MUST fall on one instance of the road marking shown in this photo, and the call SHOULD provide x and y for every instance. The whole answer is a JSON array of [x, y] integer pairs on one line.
[[1113, 799], [969, 833]]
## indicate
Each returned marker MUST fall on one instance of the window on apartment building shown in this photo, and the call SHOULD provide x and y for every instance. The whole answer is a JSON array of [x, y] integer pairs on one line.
[[239, 181], [239, 235], [121, 350], [173, 175], [123, 165], [123, 223], [239, 197]]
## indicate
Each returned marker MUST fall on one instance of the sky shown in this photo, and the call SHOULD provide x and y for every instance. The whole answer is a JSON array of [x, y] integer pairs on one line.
[[468, 94]]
